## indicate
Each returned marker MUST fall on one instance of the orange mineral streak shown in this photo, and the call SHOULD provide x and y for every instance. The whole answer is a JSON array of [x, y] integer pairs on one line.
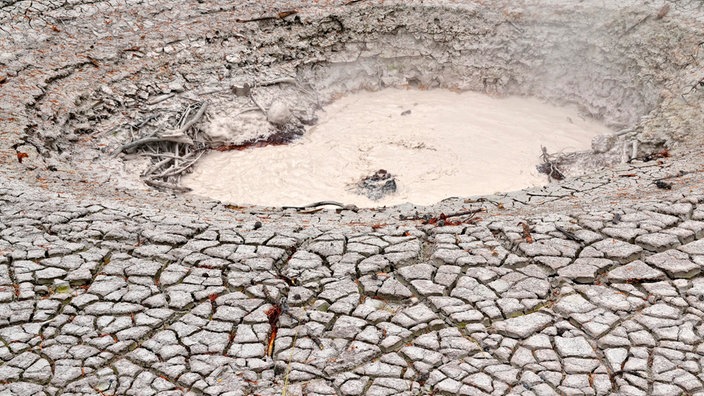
[[273, 315]]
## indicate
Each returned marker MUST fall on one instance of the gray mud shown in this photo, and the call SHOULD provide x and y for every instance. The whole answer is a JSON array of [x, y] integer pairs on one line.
[[592, 285]]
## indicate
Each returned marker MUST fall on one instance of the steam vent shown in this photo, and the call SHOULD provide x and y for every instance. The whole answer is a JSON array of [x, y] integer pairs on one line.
[[351, 197]]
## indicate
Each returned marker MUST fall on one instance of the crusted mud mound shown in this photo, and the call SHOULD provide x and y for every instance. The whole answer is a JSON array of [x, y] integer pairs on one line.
[[376, 186], [590, 285]]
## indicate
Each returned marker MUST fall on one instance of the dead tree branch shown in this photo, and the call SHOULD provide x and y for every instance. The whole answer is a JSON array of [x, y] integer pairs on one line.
[[168, 186], [173, 151]]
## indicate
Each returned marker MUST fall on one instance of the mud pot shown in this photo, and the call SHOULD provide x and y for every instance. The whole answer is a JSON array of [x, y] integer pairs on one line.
[[158, 160], [437, 143]]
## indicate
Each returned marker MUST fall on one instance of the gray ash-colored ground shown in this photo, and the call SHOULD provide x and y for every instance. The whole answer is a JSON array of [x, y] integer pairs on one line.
[[588, 286]]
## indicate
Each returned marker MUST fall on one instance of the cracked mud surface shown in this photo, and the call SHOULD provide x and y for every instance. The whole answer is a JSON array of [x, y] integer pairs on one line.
[[589, 286], [137, 300]]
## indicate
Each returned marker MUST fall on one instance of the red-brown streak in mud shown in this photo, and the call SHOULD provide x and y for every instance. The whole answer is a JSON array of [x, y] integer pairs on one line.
[[273, 315], [270, 344], [276, 139], [93, 61], [664, 153], [444, 220], [526, 232], [284, 14]]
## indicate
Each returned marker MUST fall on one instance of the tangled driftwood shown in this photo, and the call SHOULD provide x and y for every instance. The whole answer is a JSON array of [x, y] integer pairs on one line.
[[173, 150]]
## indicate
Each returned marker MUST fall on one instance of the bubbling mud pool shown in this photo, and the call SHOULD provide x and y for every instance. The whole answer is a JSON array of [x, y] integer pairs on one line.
[[437, 143]]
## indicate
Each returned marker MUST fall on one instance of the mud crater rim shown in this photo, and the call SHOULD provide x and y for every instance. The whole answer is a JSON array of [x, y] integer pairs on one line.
[[386, 74], [588, 56]]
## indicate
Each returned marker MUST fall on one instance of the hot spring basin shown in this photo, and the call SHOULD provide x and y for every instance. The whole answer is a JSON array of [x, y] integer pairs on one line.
[[437, 143]]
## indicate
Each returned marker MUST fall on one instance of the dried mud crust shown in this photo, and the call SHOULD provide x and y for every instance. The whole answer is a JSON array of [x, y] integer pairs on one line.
[[123, 298], [588, 286]]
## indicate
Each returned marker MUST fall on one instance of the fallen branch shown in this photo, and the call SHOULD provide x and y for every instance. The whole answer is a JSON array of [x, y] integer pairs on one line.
[[172, 152], [183, 168], [323, 203], [280, 15], [260, 107], [144, 121], [178, 136], [153, 155], [193, 120], [569, 234], [282, 80], [246, 110], [287, 80], [630, 29], [160, 98], [157, 166], [466, 212], [169, 186], [444, 219], [154, 139]]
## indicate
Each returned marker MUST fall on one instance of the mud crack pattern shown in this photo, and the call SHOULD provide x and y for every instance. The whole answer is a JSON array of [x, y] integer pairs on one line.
[[109, 299], [591, 286]]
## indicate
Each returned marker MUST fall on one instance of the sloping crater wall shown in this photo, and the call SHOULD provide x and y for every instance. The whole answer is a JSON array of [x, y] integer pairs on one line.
[[637, 67]]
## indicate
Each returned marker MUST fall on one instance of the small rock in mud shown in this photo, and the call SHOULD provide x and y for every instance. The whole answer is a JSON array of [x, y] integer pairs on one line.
[[603, 143], [278, 113], [241, 89], [663, 185], [377, 186]]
